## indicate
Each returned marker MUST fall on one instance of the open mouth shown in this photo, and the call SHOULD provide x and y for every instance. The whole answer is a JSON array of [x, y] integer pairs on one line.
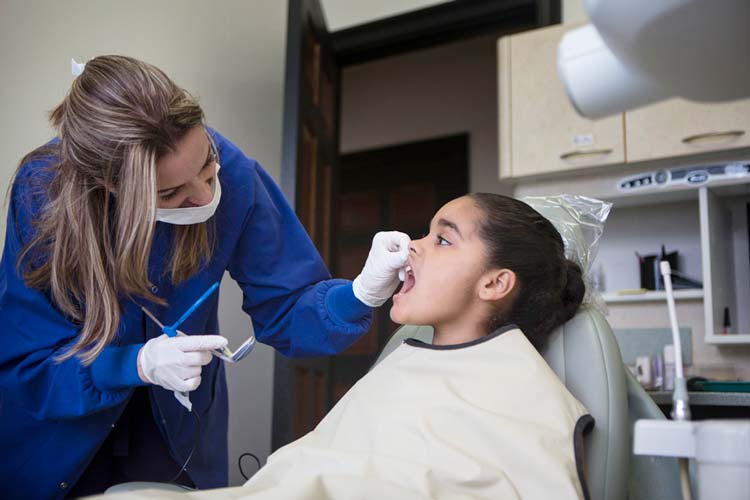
[[409, 280]]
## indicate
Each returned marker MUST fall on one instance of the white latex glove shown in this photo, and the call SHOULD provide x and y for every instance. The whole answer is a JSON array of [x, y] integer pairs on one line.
[[175, 363], [379, 278]]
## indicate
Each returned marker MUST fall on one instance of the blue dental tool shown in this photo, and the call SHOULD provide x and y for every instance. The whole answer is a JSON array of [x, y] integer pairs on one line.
[[171, 331]]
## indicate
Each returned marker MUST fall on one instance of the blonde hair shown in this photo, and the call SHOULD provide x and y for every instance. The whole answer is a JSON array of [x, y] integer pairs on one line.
[[92, 242]]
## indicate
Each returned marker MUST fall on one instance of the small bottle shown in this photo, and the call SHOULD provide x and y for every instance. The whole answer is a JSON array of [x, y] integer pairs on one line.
[[657, 367], [669, 367], [727, 325]]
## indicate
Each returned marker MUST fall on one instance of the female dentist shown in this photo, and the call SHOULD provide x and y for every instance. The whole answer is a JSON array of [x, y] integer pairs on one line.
[[129, 207]]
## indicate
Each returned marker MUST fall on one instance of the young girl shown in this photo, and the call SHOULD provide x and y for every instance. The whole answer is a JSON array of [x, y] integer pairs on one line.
[[488, 261], [477, 413]]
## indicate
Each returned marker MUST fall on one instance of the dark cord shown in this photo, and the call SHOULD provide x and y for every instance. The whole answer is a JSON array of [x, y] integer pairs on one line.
[[239, 463], [192, 450]]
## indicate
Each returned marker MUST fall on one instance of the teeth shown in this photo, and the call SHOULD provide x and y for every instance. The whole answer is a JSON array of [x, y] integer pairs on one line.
[[402, 273]]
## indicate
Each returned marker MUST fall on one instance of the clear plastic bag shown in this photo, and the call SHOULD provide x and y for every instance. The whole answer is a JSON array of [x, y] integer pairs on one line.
[[580, 221]]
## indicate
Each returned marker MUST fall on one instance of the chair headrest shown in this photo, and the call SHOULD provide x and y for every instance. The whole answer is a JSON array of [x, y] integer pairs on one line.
[[580, 221]]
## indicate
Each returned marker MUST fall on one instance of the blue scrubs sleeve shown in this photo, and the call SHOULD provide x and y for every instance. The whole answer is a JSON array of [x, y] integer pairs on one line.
[[34, 334], [285, 283]]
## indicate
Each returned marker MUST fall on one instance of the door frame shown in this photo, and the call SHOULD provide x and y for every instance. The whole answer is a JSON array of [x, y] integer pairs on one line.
[[439, 24]]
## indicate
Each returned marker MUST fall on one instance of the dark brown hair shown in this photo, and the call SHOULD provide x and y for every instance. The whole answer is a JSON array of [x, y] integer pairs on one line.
[[549, 287]]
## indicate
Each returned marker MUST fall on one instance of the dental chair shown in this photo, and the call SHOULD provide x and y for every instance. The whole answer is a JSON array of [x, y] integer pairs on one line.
[[585, 356]]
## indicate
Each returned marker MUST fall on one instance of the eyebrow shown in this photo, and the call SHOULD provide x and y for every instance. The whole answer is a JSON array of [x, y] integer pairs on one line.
[[208, 160], [452, 225]]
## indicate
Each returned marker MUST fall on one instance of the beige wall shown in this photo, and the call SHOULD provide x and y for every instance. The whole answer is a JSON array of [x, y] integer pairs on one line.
[[573, 11], [229, 54], [439, 91]]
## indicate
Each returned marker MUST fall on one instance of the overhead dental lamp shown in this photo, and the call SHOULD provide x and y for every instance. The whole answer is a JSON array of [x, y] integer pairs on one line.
[[637, 52]]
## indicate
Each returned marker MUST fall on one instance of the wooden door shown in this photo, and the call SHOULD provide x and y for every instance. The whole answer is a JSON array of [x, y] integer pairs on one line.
[[393, 188], [540, 131], [309, 166]]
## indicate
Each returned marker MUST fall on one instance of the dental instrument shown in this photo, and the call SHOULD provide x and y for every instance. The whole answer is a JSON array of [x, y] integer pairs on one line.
[[225, 353], [172, 331]]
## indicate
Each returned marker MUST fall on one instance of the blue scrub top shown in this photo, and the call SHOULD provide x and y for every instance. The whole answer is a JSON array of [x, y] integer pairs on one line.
[[54, 416]]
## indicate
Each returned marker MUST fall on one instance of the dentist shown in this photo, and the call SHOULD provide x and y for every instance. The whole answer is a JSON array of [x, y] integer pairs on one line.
[[138, 203]]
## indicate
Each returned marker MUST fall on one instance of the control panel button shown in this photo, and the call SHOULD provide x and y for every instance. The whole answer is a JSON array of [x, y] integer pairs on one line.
[[697, 177]]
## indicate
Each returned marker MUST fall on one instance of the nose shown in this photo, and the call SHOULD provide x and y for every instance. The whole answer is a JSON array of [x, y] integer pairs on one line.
[[415, 247], [202, 193]]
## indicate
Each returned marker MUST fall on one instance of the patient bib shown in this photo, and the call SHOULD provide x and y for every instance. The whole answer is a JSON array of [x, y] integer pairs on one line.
[[485, 419]]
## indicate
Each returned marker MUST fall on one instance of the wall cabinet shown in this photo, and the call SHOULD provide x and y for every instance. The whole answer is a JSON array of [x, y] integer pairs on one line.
[[678, 127], [541, 133]]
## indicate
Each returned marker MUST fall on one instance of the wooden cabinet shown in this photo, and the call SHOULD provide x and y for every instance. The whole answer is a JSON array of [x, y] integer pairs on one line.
[[540, 131], [678, 127]]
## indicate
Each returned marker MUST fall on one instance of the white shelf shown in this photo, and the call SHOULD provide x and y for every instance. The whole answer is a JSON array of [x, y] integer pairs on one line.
[[729, 338], [653, 296]]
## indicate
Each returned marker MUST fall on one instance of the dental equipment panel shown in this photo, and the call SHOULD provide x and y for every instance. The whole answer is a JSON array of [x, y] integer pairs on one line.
[[683, 177]]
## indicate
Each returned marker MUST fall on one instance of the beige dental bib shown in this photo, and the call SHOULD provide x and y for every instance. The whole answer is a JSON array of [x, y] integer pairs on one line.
[[487, 419]]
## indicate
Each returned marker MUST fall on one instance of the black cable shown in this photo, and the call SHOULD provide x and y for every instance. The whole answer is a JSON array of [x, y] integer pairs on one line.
[[192, 450], [239, 463]]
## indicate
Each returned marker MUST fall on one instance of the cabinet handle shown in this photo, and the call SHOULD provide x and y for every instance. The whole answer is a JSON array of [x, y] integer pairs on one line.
[[583, 153], [730, 134]]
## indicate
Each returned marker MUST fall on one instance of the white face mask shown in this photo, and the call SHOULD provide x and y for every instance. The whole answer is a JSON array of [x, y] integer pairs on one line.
[[192, 215]]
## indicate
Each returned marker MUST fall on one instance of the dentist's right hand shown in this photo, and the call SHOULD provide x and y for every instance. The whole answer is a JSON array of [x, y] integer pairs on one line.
[[175, 363]]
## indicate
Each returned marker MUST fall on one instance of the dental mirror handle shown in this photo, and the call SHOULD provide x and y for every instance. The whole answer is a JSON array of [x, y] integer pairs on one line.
[[195, 306]]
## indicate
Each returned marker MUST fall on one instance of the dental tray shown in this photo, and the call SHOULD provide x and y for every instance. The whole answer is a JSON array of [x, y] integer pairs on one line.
[[721, 386]]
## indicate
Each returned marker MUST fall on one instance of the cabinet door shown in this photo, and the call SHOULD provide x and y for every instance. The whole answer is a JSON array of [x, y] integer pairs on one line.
[[540, 131], [679, 127]]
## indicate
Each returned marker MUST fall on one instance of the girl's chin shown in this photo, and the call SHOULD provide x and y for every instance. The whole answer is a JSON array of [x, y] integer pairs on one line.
[[395, 316], [402, 312], [398, 314]]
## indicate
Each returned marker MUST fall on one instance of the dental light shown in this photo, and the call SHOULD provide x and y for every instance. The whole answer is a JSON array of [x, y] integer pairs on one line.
[[636, 52]]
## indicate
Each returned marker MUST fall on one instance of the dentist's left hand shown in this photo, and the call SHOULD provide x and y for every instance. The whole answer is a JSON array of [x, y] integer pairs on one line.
[[379, 278]]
